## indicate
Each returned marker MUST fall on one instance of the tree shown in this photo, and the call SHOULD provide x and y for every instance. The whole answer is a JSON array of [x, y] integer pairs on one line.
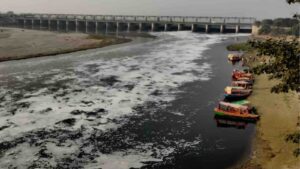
[[293, 1], [265, 29], [283, 64]]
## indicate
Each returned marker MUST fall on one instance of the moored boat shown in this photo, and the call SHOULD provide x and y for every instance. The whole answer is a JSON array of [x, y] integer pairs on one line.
[[235, 111], [239, 75], [234, 57], [243, 84], [236, 93]]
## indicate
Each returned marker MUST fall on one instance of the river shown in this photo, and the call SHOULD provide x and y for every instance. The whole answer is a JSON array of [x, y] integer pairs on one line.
[[144, 104]]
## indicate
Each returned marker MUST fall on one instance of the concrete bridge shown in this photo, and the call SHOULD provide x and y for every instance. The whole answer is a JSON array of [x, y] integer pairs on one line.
[[115, 23]]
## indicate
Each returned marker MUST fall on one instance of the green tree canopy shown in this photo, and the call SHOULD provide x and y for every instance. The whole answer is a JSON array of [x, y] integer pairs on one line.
[[283, 64]]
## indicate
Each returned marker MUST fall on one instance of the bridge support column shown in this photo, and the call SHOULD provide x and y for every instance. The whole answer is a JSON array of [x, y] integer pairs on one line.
[[117, 25], [152, 27], [86, 26], [222, 28], [96, 27], [76, 25], [49, 25], [237, 28], [179, 27], [140, 27], [106, 27], [41, 24], [166, 27], [206, 28], [67, 26], [32, 24], [193, 28], [57, 25], [128, 27], [24, 23]]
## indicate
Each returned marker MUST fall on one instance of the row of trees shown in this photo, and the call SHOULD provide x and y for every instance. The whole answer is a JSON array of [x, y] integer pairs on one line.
[[279, 26]]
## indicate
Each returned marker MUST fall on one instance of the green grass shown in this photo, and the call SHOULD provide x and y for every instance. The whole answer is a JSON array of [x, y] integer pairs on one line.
[[239, 47]]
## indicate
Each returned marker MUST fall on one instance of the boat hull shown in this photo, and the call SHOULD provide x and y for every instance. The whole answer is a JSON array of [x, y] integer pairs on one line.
[[248, 117]]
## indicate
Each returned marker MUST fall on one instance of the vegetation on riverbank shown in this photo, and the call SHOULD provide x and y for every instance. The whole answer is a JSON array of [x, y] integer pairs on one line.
[[275, 145]]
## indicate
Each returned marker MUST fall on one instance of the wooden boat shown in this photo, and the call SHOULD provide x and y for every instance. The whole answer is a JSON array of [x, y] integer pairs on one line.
[[236, 93], [238, 75], [234, 57], [243, 84], [235, 111]]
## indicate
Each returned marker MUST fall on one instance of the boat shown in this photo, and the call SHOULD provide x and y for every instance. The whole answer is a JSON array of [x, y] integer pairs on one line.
[[234, 57], [240, 75], [235, 111], [236, 93], [244, 84]]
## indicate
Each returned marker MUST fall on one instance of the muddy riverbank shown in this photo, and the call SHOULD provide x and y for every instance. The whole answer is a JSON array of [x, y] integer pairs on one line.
[[18, 44]]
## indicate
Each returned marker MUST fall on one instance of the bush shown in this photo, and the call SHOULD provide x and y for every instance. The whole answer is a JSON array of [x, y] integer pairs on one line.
[[267, 22], [295, 30], [295, 138], [265, 29], [239, 47]]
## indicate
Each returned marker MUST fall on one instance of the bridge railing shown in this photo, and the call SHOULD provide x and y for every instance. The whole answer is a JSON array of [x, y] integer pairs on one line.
[[167, 19]]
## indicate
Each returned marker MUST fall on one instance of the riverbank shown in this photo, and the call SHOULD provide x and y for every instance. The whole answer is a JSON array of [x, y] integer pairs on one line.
[[279, 117], [18, 44]]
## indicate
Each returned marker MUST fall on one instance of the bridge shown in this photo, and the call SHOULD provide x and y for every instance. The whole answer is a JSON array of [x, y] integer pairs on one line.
[[116, 23]]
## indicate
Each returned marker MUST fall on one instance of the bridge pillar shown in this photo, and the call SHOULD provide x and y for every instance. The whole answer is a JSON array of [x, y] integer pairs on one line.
[[49, 24], [206, 28], [179, 27], [193, 28], [24, 23], [152, 27], [76, 25], [106, 27], [237, 28], [57, 25], [96, 27], [117, 29], [128, 27], [86, 26], [166, 27], [41, 24], [140, 27], [67, 26], [222, 28], [32, 24]]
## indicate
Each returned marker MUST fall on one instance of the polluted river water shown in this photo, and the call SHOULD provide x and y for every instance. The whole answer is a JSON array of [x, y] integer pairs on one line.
[[145, 104]]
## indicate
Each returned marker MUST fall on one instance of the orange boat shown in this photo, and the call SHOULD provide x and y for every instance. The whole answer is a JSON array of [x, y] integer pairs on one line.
[[235, 111], [238, 75]]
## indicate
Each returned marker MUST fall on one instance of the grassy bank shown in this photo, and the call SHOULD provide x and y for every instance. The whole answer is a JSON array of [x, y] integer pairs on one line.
[[273, 146]]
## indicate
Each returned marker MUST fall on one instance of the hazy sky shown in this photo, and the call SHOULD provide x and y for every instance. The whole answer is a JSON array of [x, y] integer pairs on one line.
[[255, 8]]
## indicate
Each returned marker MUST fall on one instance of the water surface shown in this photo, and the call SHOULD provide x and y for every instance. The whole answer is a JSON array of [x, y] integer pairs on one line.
[[146, 104]]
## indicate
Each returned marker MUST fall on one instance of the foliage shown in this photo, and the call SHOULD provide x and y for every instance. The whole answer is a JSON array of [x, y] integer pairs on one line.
[[283, 64], [265, 29], [296, 152], [257, 23], [293, 1], [295, 30], [267, 22], [285, 22], [239, 47], [295, 137]]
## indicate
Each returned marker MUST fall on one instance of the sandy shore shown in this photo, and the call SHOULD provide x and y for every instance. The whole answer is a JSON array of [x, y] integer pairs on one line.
[[21, 43], [279, 117]]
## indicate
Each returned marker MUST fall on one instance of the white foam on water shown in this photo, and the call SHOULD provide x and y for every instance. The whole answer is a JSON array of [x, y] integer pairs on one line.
[[164, 67]]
